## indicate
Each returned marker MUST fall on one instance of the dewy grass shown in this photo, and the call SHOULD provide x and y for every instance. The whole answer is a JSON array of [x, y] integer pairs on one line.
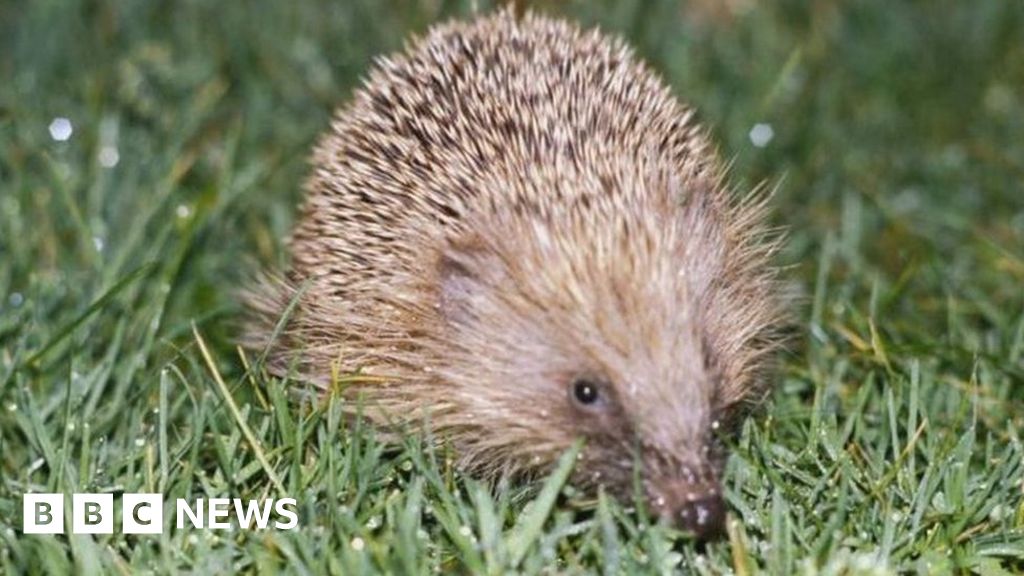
[[892, 444]]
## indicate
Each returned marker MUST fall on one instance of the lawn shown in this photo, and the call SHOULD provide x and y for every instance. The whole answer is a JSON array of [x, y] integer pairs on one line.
[[151, 158]]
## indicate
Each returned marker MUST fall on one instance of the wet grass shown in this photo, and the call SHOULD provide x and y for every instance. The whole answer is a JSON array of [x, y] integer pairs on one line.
[[893, 442]]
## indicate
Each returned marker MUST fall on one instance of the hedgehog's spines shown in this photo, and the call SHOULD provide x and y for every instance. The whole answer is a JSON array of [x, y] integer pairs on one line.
[[506, 204]]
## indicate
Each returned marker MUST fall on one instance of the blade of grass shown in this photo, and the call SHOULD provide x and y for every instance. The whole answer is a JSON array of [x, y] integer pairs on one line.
[[528, 529], [97, 304], [236, 413]]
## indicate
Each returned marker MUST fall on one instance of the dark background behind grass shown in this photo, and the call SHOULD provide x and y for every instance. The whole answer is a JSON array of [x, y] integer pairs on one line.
[[893, 441]]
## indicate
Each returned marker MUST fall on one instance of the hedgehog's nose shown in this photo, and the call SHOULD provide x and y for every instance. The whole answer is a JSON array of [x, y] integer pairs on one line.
[[705, 517], [697, 509]]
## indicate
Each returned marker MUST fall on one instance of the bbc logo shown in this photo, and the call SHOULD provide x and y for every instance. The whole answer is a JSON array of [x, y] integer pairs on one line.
[[144, 513], [93, 513]]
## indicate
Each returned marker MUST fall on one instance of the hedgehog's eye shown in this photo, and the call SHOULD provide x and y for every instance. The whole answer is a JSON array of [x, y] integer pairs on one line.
[[586, 392]]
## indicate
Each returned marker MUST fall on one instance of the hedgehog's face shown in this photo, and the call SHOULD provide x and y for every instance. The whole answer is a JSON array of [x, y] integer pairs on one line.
[[610, 337]]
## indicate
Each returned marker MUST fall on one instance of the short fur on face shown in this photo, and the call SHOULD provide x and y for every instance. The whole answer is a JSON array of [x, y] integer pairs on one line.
[[632, 297]]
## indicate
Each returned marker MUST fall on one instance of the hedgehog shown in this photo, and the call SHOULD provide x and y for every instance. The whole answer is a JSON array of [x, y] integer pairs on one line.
[[515, 236]]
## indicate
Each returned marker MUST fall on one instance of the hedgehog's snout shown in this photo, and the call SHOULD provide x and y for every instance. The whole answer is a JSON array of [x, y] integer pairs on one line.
[[697, 508]]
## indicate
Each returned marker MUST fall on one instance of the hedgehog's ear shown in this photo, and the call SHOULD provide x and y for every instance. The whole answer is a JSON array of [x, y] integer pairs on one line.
[[464, 269], [457, 286]]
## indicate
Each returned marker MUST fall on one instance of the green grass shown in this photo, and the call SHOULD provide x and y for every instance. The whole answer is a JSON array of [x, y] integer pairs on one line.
[[893, 442]]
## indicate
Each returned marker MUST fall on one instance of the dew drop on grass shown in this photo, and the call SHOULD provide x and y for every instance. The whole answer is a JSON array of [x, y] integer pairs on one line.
[[997, 513], [98, 243], [183, 211], [358, 544], [761, 134], [61, 129], [373, 523], [465, 531], [12, 407], [863, 562], [16, 299], [109, 156]]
